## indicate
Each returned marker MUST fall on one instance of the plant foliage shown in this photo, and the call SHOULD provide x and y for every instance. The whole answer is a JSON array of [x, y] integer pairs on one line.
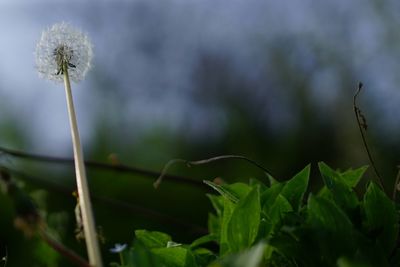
[[257, 224]]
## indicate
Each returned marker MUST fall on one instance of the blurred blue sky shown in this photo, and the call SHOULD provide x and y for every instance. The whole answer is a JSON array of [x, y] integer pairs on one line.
[[145, 53]]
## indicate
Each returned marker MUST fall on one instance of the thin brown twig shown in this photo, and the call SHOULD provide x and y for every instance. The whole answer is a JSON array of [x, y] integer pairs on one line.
[[114, 203], [362, 125], [100, 165], [63, 250], [204, 161]]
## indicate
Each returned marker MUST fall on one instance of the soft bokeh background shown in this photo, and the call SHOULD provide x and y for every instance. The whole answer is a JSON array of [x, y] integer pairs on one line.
[[270, 80]]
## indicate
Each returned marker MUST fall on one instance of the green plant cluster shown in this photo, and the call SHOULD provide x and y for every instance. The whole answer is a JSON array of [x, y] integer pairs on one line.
[[276, 225]]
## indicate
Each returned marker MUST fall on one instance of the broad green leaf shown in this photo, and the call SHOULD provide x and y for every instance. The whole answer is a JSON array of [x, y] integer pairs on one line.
[[249, 258], [217, 202], [203, 256], [275, 213], [203, 240], [269, 195], [331, 227], [381, 217], [295, 188], [352, 177], [325, 193], [277, 210], [233, 192], [326, 171], [255, 182], [238, 189], [229, 206], [243, 225], [271, 205], [214, 224], [342, 193], [139, 255], [152, 239], [175, 257], [325, 214]]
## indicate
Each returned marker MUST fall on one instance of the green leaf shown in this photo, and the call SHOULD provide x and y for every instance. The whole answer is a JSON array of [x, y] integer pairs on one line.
[[152, 239], [249, 258], [255, 182], [325, 214], [243, 225], [269, 195], [342, 193], [175, 257], [381, 218], [229, 206], [325, 193], [295, 188], [139, 255], [277, 210], [274, 214], [203, 256], [214, 224], [352, 177], [217, 202], [331, 227], [203, 240], [233, 192]]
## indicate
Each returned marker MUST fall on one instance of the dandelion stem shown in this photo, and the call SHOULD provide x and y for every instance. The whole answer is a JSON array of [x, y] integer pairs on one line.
[[81, 181]]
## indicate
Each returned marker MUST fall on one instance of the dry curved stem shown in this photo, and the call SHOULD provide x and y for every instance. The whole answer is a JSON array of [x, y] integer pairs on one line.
[[204, 161], [100, 165], [362, 125]]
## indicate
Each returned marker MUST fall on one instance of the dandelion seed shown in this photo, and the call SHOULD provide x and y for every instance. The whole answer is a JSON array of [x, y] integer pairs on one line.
[[62, 45], [118, 248]]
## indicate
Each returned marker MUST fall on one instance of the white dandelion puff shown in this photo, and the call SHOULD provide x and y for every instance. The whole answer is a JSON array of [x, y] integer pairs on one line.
[[63, 44], [64, 53]]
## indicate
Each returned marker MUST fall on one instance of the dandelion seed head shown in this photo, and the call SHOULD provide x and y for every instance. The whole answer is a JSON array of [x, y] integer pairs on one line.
[[62, 44]]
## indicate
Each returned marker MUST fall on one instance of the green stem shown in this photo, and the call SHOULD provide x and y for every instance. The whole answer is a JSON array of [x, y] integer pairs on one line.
[[121, 257], [81, 181]]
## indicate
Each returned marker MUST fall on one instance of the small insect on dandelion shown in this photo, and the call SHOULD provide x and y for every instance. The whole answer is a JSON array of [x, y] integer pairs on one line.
[[63, 56], [62, 46]]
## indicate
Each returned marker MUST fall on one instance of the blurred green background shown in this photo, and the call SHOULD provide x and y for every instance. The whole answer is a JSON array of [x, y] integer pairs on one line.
[[191, 79]]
